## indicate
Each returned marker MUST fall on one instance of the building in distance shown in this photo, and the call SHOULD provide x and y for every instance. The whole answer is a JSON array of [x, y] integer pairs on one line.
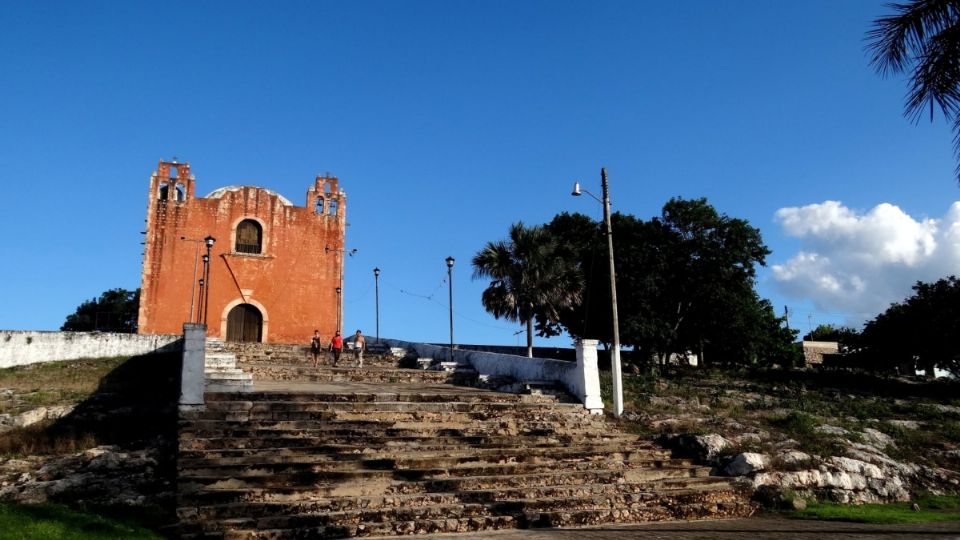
[[275, 269]]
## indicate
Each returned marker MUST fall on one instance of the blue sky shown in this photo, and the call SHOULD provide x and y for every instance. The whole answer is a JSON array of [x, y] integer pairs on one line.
[[447, 121]]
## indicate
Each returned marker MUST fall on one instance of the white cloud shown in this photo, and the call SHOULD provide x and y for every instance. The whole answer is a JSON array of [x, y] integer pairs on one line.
[[859, 263]]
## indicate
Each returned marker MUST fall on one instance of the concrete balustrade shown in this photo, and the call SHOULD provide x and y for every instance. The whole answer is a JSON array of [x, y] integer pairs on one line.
[[580, 378]]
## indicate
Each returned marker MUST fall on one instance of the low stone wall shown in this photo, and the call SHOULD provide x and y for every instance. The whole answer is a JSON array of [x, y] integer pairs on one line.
[[581, 378], [22, 347]]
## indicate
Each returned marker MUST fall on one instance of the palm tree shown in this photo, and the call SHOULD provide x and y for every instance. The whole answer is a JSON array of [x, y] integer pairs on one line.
[[922, 38], [528, 278]]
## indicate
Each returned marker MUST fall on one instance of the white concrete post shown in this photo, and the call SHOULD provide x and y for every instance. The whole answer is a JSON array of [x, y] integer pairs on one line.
[[192, 377], [588, 376]]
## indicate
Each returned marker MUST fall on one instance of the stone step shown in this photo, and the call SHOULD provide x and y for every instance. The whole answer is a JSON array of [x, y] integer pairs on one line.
[[441, 447], [372, 443], [451, 423], [440, 394], [234, 374], [213, 365], [322, 424], [227, 385], [214, 506], [395, 481], [531, 408], [675, 507], [347, 372], [421, 469], [347, 497], [437, 520], [213, 448]]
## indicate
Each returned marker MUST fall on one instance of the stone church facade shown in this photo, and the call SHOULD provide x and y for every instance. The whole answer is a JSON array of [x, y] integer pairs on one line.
[[275, 269]]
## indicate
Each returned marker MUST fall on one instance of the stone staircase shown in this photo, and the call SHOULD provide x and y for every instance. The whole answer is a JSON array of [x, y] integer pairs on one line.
[[221, 372], [334, 457]]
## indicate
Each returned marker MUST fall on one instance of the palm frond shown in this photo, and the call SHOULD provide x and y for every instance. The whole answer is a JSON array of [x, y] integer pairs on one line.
[[898, 39]]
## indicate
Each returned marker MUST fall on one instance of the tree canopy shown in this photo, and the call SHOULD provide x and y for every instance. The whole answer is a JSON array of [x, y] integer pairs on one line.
[[685, 283], [115, 311], [916, 334]]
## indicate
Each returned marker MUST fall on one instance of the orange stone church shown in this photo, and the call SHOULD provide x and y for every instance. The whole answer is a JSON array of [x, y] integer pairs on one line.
[[275, 269]]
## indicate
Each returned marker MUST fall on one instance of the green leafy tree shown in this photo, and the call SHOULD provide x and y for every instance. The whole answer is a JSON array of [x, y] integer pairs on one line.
[[684, 284], [848, 338], [922, 38], [115, 311], [529, 280], [710, 259], [918, 333]]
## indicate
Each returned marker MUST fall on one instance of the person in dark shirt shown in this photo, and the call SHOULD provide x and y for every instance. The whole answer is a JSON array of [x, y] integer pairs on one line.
[[315, 347]]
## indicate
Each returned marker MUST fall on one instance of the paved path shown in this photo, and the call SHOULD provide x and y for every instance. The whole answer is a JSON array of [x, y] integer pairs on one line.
[[724, 529]]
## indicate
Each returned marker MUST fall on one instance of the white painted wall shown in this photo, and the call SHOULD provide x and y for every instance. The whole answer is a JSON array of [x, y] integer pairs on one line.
[[22, 347], [581, 378]]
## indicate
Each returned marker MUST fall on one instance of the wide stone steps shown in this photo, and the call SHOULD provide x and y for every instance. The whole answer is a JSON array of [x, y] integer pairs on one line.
[[390, 416], [330, 482], [495, 407], [433, 394], [407, 454], [354, 497], [424, 468], [342, 452], [345, 372], [406, 429], [226, 504], [440, 451], [367, 443]]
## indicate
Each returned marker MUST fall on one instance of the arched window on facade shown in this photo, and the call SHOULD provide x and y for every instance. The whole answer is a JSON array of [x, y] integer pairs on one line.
[[319, 206], [163, 192], [332, 205], [249, 237], [181, 194]]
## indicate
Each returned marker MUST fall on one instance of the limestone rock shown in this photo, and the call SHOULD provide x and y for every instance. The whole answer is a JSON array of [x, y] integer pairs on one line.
[[877, 438], [793, 457], [827, 429], [905, 424], [703, 448], [746, 463]]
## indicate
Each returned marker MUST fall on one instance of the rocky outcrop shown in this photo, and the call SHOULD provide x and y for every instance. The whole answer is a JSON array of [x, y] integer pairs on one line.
[[33, 416], [101, 476], [862, 473]]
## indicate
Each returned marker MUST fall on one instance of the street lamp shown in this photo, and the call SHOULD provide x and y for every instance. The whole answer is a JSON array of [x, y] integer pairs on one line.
[[193, 283], [200, 303], [209, 241], [202, 316], [450, 261], [376, 287], [339, 309], [351, 252], [615, 351]]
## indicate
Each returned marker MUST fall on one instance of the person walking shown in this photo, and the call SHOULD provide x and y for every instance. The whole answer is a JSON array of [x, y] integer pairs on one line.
[[359, 345], [315, 347], [336, 346]]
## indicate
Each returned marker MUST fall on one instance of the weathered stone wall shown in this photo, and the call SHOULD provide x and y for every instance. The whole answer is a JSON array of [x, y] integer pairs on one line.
[[292, 282], [22, 347], [814, 351]]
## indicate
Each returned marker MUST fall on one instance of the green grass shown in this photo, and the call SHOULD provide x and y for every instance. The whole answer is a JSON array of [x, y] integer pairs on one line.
[[54, 522], [941, 508]]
